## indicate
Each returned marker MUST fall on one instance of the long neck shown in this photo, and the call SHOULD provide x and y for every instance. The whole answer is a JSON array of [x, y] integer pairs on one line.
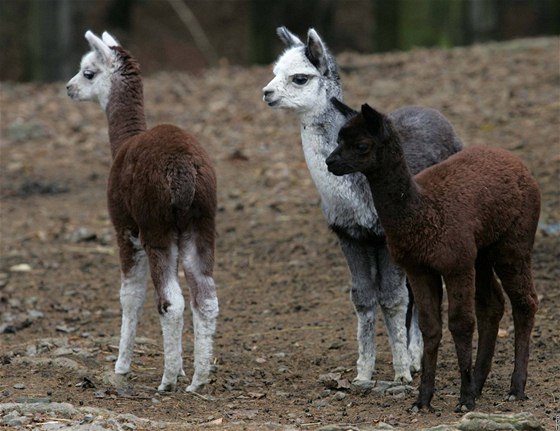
[[125, 109], [321, 125], [397, 197]]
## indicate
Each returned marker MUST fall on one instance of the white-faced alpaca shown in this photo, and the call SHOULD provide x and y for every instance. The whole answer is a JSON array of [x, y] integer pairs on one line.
[[162, 202], [306, 78], [465, 219]]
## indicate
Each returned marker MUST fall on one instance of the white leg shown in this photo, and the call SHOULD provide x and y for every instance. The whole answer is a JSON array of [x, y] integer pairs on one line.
[[366, 345], [172, 329], [393, 298], [204, 324], [363, 295], [132, 297], [415, 343], [197, 264]]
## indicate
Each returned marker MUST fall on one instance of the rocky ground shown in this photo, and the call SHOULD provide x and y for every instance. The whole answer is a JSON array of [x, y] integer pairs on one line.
[[285, 348]]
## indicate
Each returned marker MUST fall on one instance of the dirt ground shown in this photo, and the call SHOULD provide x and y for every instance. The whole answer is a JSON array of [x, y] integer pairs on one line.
[[285, 312]]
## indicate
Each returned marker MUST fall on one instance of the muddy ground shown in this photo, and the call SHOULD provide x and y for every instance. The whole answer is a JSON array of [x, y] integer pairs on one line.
[[286, 317]]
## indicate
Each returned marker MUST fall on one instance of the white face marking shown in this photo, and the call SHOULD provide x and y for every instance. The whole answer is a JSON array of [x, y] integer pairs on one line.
[[93, 81], [346, 200], [296, 85]]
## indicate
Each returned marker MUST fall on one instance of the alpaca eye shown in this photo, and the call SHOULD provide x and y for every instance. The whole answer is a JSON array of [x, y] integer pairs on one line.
[[300, 79], [88, 74], [362, 148]]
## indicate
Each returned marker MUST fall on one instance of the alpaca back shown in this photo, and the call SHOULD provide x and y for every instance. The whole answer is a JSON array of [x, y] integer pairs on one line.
[[427, 137], [161, 175], [487, 191]]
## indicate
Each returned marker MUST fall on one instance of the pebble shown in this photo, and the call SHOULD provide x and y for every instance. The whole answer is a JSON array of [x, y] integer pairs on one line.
[[22, 267], [19, 386], [339, 396]]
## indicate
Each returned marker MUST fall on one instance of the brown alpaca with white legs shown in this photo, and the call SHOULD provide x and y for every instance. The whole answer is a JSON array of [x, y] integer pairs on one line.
[[162, 202], [466, 219]]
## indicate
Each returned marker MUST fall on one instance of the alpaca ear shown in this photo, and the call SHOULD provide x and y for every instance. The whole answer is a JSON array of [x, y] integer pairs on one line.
[[316, 51], [342, 108], [375, 121], [109, 40], [102, 50], [287, 37]]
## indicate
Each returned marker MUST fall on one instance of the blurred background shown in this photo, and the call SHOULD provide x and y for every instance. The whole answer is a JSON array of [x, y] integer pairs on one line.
[[42, 40]]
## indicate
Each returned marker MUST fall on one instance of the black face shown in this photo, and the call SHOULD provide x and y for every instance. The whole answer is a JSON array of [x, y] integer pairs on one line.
[[354, 151]]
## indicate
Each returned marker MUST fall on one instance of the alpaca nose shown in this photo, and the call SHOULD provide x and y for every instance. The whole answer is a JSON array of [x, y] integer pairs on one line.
[[332, 159], [267, 93]]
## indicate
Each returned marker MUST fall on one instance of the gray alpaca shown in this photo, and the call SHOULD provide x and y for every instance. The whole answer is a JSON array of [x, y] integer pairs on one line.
[[306, 78]]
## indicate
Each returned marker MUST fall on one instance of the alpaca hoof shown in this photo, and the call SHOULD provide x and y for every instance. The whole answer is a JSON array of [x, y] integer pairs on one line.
[[463, 408], [415, 367], [514, 397], [167, 387], [417, 407], [403, 378], [120, 380], [193, 387]]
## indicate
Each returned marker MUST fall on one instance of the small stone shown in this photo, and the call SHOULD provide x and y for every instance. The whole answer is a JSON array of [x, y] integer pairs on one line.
[[339, 396], [396, 390], [19, 386], [110, 358], [22, 267]]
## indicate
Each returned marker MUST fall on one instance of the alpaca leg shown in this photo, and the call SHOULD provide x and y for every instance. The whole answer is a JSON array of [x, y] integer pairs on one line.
[[198, 262], [461, 315], [427, 289], [171, 304], [517, 281], [489, 301], [360, 258], [134, 277], [393, 299], [415, 342]]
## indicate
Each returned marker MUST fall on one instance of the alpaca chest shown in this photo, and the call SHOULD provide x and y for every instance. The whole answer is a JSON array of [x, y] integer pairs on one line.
[[347, 200]]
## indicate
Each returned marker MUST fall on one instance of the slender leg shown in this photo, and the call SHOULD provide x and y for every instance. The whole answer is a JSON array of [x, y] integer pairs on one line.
[[360, 259], [427, 289], [171, 304], [415, 342], [517, 281], [489, 301], [393, 299], [134, 277], [461, 297], [198, 261]]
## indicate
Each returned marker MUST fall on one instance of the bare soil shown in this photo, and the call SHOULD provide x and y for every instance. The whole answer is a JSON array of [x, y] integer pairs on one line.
[[286, 317]]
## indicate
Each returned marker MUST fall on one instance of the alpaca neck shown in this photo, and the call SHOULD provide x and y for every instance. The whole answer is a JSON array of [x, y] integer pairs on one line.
[[396, 195], [125, 110], [346, 201]]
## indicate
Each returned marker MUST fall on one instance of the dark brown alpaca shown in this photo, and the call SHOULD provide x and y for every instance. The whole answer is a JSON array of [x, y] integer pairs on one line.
[[466, 219], [162, 202]]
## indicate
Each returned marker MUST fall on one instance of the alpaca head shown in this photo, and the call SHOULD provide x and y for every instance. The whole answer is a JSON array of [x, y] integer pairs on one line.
[[93, 81], [306, 75], [358, 140]]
